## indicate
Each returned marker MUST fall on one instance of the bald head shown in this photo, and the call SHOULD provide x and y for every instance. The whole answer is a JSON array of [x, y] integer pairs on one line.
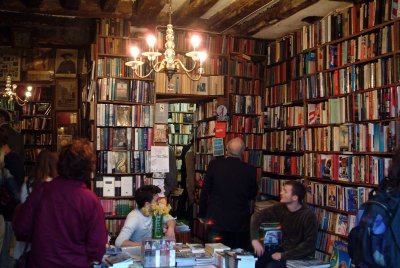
[[235, 147]]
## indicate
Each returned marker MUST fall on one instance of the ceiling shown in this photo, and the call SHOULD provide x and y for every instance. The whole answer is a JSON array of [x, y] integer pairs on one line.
[[267, 19]]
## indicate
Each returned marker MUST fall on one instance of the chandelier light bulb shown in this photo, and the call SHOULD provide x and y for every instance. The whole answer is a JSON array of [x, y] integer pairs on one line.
[[202, 56], [151, 40], [29, 88], [134, 52], [28, 94], [195, 41]]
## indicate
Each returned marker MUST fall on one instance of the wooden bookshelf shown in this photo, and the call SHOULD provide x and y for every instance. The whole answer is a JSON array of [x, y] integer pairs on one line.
[[332, 95]]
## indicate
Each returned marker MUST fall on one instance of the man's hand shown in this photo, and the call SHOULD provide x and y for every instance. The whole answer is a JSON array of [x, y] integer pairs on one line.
[[258, 248], [276, 256]]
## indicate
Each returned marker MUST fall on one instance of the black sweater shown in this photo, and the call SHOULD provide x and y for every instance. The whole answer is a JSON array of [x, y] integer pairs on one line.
[[299, 229]]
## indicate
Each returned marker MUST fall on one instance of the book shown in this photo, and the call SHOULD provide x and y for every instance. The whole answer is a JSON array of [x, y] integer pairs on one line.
[[126, 186], [109, 186], [309, 263], [340, 257], [211, 248], [161, 113], [123, 115], [160, 133], [196, 248], [121, 260]]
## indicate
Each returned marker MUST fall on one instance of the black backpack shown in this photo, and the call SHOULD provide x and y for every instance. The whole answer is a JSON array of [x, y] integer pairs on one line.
[[375, 241]]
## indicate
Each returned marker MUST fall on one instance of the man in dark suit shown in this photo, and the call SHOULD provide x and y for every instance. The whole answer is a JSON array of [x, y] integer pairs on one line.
[[14, 137], [229, 188]]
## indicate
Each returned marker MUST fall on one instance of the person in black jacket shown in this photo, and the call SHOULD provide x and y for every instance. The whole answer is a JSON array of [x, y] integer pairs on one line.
[[230, 186], [15, 140]]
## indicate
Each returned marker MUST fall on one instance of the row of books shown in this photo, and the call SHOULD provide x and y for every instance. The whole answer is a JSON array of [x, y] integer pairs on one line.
[[334, 26], [278, 117], [182, 107], [113, 207], [271, 186], [37, 123], [246, 104], [206, 110], [112, 66], [178, 139], [124, 138], [177, 128], [325, 241], [114, 27], [205, 129], [174, 117], [245, 86], [115, 89], [205, 146], [31, 154], [284, 140], [123, 162], [370, 137], [113, 46], [280, 164], [343, 198], [285, 93], [337, 223], [114, 226], [215, 43], [126, 185], [246, 69], [182, 84], [202, 160], [38, 139], [114, 115], [348, 168], [253, 157], [245, 124], [39, 109], [366, 75]]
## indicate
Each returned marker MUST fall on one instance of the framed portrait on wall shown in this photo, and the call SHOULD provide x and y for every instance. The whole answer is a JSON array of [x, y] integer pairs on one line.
[[66, 62], [66, 94], [39, 64]]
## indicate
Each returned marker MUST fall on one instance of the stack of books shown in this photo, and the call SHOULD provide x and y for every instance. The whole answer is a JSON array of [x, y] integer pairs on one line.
[[239, 258], [181, 227], [212, 248], [120, 260], [307, 263]]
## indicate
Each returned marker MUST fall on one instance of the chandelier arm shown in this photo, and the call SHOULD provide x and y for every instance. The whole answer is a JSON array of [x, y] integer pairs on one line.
[[158, 68], [183, 66], [193, 78], [143, 76]]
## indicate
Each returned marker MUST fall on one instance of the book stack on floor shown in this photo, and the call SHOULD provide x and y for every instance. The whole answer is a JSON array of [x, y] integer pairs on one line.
[[239, 258]]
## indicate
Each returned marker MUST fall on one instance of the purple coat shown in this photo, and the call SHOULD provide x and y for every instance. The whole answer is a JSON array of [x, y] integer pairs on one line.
[[67, 224]]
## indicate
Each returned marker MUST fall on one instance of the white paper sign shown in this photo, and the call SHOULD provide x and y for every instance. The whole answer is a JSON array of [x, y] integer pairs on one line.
[[159, 159]]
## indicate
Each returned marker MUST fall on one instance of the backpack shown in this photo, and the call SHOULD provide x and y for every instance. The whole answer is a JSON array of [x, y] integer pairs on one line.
[[375, 241]]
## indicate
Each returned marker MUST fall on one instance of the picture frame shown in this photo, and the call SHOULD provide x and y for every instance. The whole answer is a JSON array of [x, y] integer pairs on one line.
[[66, 63], [39, 64], [10, 64], [67, 124], [66, 94]]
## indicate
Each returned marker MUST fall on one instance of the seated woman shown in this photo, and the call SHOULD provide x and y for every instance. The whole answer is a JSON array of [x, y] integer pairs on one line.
[[138, 224]]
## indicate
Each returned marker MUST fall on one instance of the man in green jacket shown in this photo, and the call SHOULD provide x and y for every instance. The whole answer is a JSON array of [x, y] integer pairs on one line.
[[299, 228]]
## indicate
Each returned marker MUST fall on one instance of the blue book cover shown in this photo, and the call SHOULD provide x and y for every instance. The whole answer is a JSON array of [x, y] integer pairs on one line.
[[340, 257]]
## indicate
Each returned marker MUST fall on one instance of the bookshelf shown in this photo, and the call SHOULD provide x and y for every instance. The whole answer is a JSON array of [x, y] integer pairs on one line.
[[123, 123], [331, 113], [37, 123]]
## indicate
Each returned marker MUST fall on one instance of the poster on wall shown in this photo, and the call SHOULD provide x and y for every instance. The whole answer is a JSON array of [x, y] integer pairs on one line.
[[10, 64], [39, 64], [66, 94]]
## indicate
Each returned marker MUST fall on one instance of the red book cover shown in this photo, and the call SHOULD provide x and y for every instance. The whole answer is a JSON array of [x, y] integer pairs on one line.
[[220, 129]]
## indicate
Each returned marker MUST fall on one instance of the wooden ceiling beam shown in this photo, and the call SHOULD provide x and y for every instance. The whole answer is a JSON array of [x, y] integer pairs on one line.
[[70, 4], [32, 3], [233, 13], [282, 10], [145, 12], [190, 11], [109, 5]]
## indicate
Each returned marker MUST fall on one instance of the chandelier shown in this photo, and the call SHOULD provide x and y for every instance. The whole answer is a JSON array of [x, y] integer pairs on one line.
[[10, 92], [169, 64]]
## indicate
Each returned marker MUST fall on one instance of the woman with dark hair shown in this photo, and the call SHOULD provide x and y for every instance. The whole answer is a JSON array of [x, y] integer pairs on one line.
[[45, 170], [63, 217]]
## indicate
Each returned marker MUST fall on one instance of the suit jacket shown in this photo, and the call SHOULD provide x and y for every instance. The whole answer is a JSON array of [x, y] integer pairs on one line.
[[229, 187]]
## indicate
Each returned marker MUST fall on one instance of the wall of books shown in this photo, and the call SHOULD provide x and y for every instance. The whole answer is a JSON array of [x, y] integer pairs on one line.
[[331, 112]]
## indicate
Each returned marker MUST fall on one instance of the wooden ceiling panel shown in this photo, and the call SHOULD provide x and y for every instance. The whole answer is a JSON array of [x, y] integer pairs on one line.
[[238, 10], [145, 12], [282, 10], [191, 11]]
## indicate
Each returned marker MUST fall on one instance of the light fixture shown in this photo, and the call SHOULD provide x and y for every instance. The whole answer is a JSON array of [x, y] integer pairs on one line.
[[10, 92], [169, 64]]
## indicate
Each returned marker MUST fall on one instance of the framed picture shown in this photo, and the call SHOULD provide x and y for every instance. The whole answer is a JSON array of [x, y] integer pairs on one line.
[[10, 64], [39, 64], [66, 94], [66, 62], [67, 127]]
